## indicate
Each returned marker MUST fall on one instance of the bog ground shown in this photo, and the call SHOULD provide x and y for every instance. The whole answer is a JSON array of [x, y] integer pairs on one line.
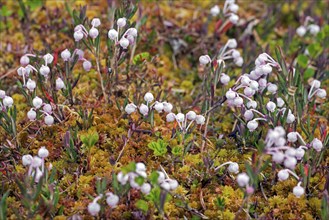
[[164, 109]]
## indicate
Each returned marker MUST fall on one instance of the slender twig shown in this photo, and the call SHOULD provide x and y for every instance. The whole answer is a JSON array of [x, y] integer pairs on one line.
[[100, 77]]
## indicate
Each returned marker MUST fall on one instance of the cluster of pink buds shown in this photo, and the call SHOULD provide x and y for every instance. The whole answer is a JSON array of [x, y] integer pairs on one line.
[[5, 101], [231, 53], [66, 56], [282, 110], [227, 52], [46, 111], [130, 177], [25, 70], [111, 199], [312, 28], [283, 175], [316, 90], [229, 10], [264, 64], [144, 109], [128, 38], [164, 181], [256, 81], [36, 164], [182, 120], [276, 144], [294, 136], [80, 31], [289, 155]]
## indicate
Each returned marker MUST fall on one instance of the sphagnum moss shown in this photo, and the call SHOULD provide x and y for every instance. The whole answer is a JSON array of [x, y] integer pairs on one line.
[[271, 126]]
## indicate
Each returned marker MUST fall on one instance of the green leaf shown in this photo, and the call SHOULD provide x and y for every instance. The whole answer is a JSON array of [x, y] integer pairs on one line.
[[34, 4], [139, 58], [89, 139], [159, 148], [5, 12], [314, 49], [302, 60], [177, 151], [142, 205], [3, 206], [154, 177], [139, 180], [131, 167], [309, 72], [220, 203]]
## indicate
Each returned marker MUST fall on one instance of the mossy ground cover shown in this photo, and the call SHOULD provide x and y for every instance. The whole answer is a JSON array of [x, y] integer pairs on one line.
[[93, 138]]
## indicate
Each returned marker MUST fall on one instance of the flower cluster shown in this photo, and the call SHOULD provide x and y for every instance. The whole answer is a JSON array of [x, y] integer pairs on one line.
[[80, 31], [47, 110], [312, 28], [111, 199], [288, 155], [182, 120], [227, 52], [316, 90], [5, 101], [26, 68], [163, 180], [229, 10], [137, 179], [146, 108], [252, 83], [36, 164], [167, 107], [128, 38]]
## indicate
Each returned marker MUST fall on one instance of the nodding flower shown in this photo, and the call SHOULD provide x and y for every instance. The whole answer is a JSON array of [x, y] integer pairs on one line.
[[94, 207], [113, 34], [284, 174], [79, 32], [317, 144], [121, 22], [298, 190], [214, 11], [204, 59], [148, 97], [112, 200], [294, 136], [96, 22], [232, 168], [7, 102], [59, 84], [130, 108], [66, 55], [30, 85], [253, 124], [86, 65], [48, 58], [321, 93], [243, 179], [182, 120], [25, 72]]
